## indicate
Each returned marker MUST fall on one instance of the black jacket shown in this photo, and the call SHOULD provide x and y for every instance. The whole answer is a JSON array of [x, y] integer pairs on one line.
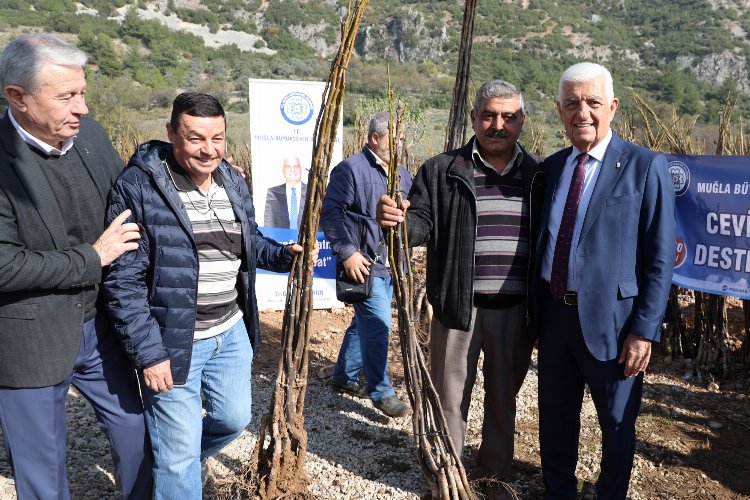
[[443, 215], [42, 278]]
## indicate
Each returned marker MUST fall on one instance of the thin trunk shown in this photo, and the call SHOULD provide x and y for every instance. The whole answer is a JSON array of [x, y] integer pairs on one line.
[[436, 455], [280, 463], [456, 133]]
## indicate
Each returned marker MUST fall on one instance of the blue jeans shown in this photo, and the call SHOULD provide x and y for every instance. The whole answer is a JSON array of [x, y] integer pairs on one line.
[[365, 345], [180, 436]]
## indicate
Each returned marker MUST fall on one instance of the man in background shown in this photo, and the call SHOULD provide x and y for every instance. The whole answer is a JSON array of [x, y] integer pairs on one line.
[[347, 213], [285, 202], [57, 167]]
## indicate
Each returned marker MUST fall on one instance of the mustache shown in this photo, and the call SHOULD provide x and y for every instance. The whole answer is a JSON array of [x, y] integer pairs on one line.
[[497, 134]]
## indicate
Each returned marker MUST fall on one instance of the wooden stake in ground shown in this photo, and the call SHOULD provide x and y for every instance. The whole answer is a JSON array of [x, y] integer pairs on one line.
[[281, 461], [455, 135], [437, 457]]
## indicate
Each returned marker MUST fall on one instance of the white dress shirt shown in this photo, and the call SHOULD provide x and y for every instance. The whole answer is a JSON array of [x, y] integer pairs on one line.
[[558, 206], [40, 145]]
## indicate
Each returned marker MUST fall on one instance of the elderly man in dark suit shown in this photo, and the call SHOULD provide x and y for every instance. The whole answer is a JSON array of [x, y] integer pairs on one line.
[[284, 203], [606, 253], [56, 168]]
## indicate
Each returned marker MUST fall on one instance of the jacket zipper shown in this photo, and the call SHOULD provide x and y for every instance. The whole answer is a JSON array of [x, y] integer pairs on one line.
[[474, 243], [532, 244]]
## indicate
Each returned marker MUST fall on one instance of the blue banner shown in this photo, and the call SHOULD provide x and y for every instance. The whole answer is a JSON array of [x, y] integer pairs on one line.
[[270, 287], [713, 223], [325, 267]]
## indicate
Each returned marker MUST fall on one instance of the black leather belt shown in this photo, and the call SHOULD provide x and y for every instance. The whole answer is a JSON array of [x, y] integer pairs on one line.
[[570, 298]]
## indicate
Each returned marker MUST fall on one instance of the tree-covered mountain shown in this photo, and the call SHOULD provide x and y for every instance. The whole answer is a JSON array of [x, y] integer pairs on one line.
[[687, 53]]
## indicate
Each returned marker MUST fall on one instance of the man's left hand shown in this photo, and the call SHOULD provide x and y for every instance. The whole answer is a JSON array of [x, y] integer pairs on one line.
[[636, 353], [240, 170], [297, 249]]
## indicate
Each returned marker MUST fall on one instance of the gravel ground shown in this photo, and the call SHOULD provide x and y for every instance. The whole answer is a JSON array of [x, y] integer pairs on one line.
[[354, 451], [692, 441]]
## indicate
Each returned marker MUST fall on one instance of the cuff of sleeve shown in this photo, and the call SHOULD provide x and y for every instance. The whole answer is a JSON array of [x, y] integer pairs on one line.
[[646, 332], [345, 252], [93, 272]]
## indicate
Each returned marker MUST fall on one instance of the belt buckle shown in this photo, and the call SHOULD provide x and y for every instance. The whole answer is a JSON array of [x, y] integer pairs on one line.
[[570, 298]]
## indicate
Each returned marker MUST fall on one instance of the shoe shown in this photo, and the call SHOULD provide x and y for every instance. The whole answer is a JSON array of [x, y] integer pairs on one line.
[[326, 372], [351, 388], [391, 406]]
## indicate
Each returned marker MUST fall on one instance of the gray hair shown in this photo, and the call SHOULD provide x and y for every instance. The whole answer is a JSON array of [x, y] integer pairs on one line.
[[23, 58], [498, 88], [379, 124], [585, 72]]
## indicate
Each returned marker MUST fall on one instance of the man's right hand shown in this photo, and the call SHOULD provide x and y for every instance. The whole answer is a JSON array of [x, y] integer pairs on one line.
[[118, 238], [388, 213], [158, 378], [357, 266]]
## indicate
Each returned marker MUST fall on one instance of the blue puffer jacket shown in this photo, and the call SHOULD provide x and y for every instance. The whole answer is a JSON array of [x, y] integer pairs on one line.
[[151, 293]]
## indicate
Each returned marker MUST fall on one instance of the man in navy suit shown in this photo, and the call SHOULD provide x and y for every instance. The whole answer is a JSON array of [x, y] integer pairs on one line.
[[286, 198], [606, 253]]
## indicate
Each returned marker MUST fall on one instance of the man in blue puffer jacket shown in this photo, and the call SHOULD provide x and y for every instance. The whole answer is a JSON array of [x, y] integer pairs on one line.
[[184, 302]]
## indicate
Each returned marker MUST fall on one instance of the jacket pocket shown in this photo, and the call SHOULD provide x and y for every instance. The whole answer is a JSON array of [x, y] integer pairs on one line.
[[19, 311], [618, 200], [628, 289]]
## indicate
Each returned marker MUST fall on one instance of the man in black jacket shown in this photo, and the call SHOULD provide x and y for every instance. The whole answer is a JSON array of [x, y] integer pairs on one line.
[[476, 208], [56, 168]]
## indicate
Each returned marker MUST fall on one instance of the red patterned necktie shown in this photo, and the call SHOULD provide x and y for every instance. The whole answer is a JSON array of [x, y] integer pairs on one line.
[[558, 283]]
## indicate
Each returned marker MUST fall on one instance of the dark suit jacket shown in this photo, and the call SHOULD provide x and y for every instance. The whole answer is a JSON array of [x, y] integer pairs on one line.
[[41, 277], [276, 213], [626, 253]]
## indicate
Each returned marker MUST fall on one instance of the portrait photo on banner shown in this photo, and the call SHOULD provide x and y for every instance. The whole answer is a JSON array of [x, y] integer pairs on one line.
[[282, 117]]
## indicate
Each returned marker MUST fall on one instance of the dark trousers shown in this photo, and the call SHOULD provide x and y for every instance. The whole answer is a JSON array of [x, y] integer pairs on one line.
[[33, 421], [565, 367]]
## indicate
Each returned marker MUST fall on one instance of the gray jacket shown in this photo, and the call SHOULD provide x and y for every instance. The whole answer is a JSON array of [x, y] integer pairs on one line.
[[41, 277]]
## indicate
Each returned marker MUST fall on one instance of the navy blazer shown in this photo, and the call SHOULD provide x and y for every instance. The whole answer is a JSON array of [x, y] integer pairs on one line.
[[626, 252], [276, 213]]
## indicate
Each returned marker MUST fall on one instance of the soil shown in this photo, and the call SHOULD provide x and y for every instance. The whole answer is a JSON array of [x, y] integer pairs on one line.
[[693, 431]]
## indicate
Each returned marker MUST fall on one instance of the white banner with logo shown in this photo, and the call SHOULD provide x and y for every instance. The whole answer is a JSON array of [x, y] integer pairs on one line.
[[282, 122]]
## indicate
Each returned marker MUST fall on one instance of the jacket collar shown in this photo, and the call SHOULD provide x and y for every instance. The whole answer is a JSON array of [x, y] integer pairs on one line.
[[374, 161], [30, 173], [613, 164]]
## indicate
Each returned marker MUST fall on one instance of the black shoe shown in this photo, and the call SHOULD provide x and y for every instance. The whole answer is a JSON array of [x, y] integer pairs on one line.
[[391, 406], [351, 388]]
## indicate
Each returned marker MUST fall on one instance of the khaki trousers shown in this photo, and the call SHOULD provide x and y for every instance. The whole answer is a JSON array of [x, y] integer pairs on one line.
[[502, 336]]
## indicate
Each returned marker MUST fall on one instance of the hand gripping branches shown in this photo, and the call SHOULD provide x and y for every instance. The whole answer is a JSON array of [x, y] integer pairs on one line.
[[437, 457], [281, 462]]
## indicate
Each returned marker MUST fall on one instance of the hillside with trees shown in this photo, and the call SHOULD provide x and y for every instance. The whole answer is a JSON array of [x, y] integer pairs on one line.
[[687, 55]]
